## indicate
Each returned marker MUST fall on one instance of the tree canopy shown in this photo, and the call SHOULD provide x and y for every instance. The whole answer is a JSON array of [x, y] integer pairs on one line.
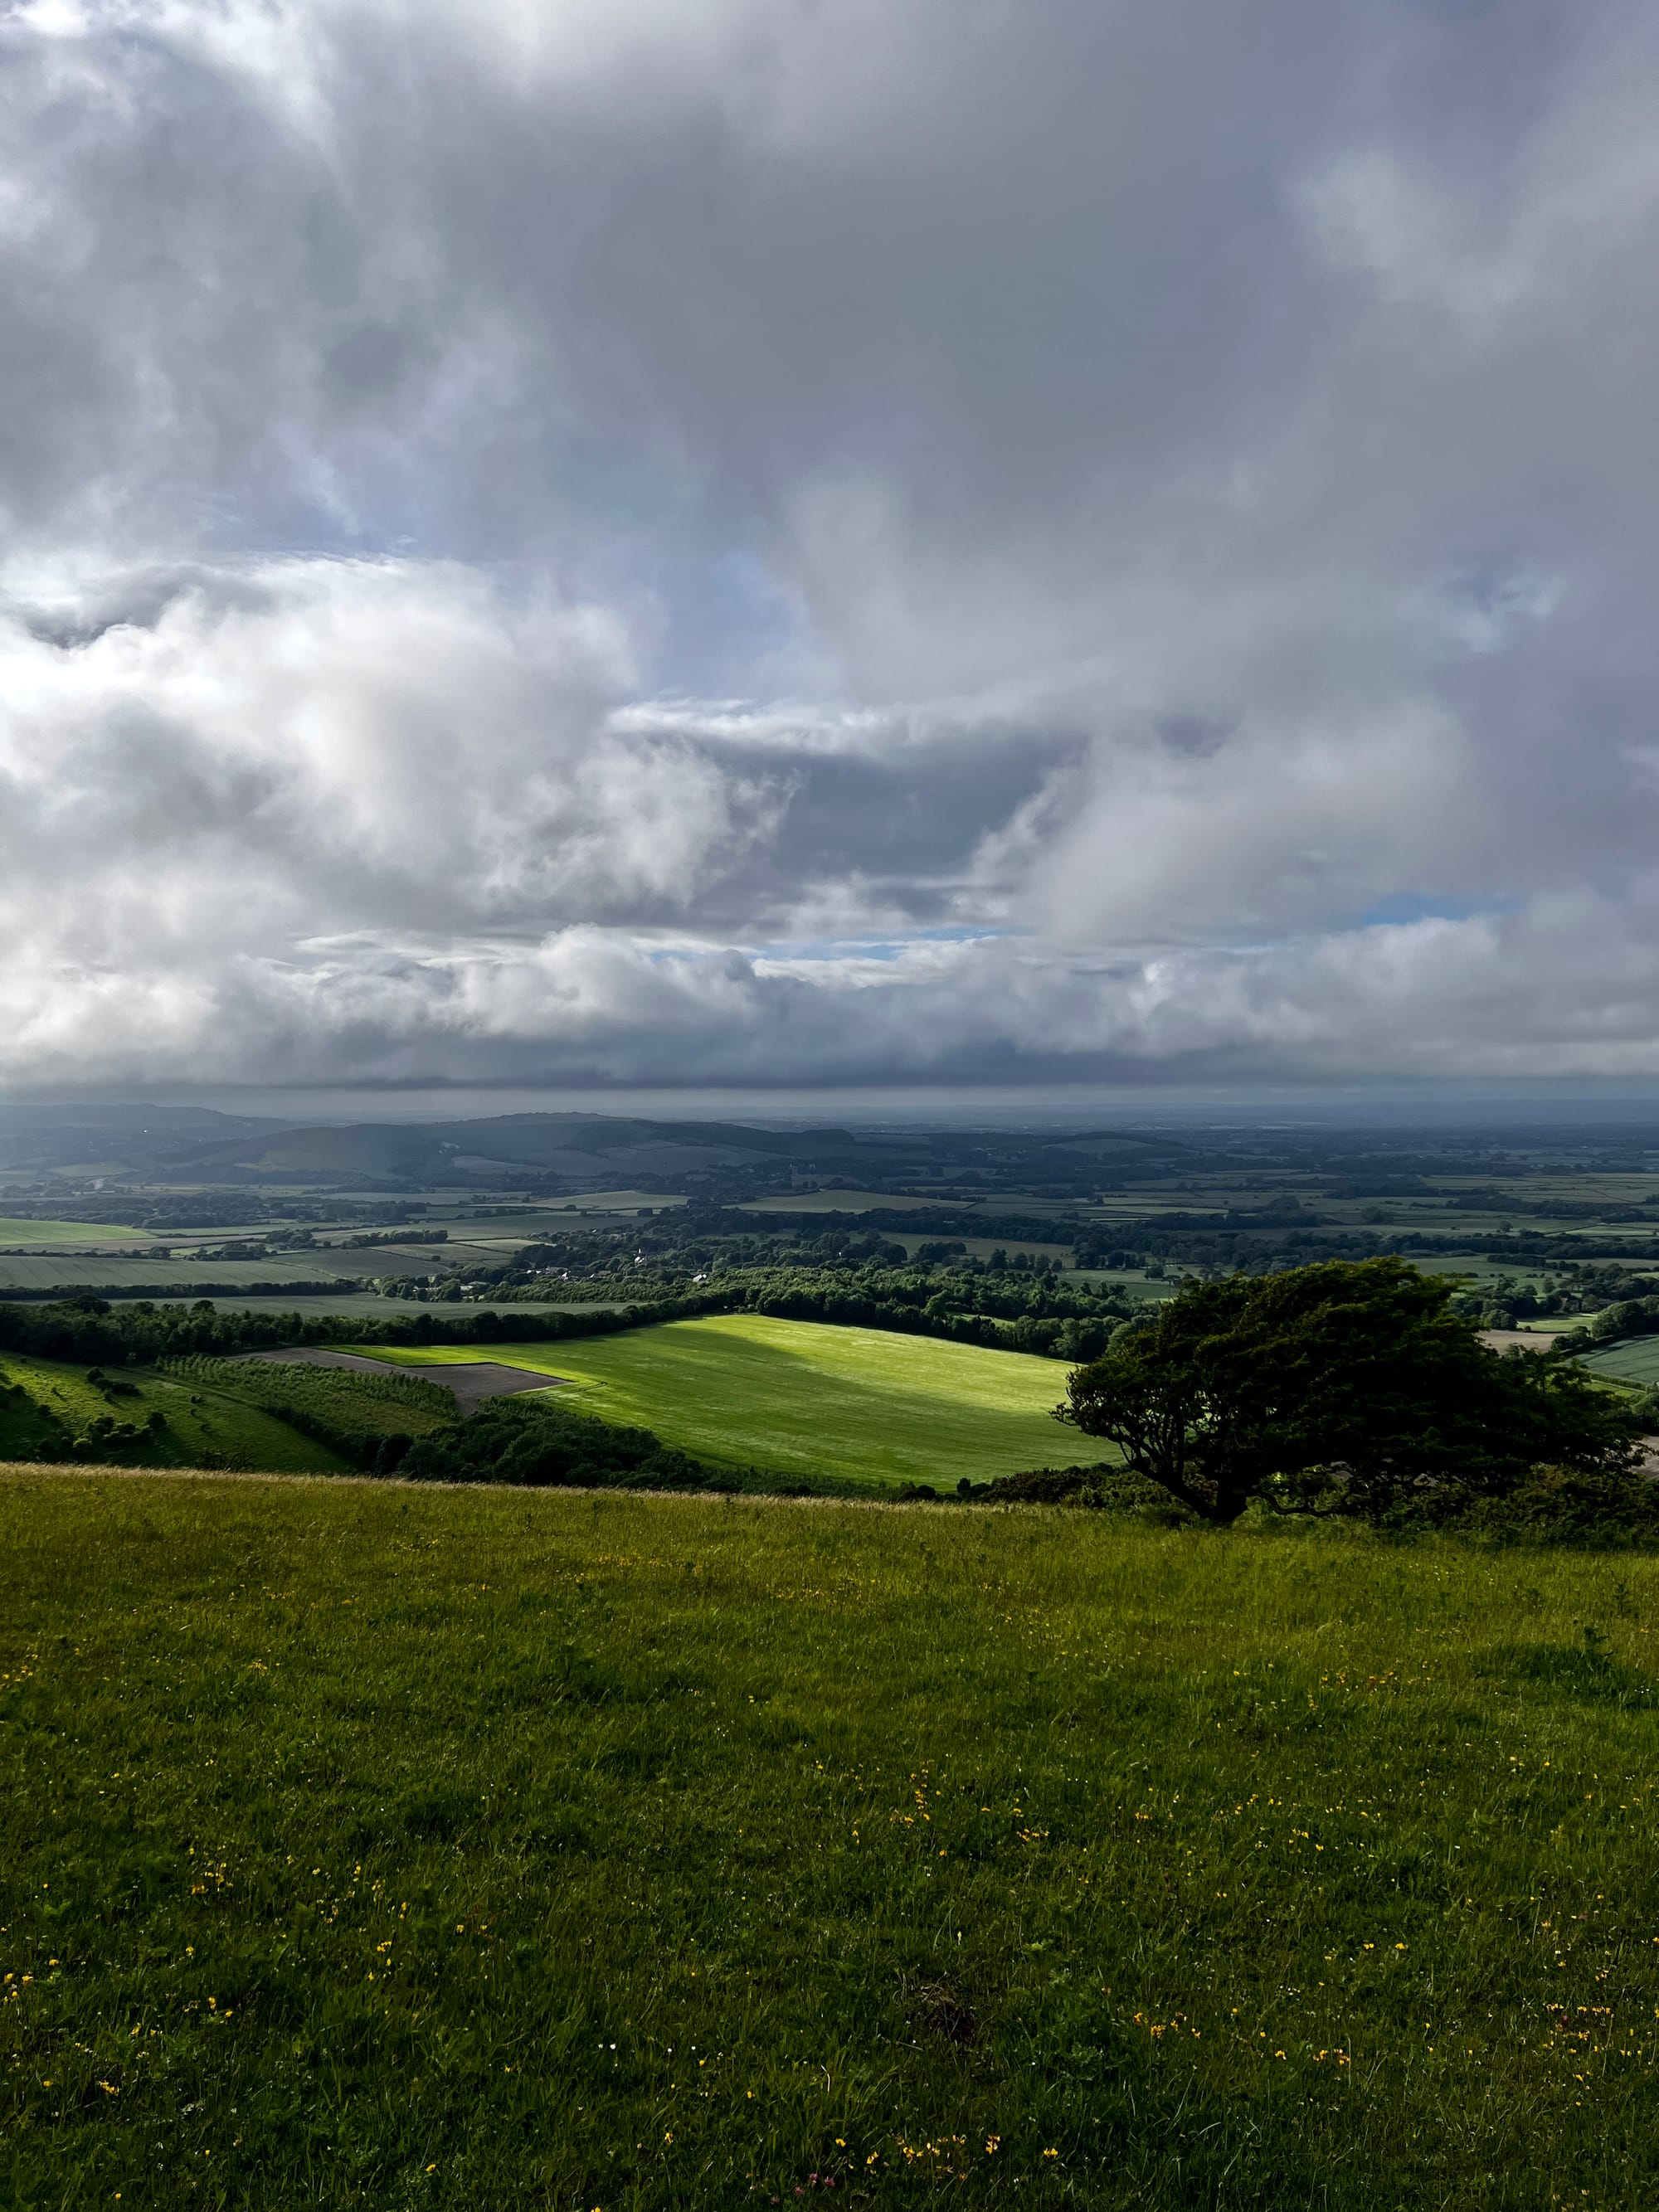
[[1348, 1387]]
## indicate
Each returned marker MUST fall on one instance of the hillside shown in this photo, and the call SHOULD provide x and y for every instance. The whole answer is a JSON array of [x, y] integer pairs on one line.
[[581, 1149], [488, 1848], [806, 1401], [778, 1402]]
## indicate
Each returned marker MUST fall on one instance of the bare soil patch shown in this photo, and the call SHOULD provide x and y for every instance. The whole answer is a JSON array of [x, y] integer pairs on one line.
[[1528, 1339]]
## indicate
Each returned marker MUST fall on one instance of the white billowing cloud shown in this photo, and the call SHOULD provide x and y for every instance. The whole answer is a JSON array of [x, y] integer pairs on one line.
[[300, 746], [897, 537]]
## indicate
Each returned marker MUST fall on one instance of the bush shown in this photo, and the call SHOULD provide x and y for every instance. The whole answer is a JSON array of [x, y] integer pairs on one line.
[[544, 1445], [1557, 1506], [1104, 1489]]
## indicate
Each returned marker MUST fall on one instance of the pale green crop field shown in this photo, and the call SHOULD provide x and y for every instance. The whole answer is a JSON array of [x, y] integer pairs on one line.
[[133, 1273], [15, 1231], [798, 1398], [1636, 1361]]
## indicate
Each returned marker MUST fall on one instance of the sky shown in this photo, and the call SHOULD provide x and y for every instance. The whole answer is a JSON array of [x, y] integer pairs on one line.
[[964, 546]]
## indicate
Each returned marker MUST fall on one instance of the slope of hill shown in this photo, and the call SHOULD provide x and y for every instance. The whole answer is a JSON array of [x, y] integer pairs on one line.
[[594, 1150], [365, 1844], [803, 1401], [95, 1137]]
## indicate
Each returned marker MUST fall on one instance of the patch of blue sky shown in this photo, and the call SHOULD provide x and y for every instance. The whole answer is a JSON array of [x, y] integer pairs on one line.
[[877, 948], [1483, 605], [1402, 907], [731, 629], [829, 951], [391, 509]]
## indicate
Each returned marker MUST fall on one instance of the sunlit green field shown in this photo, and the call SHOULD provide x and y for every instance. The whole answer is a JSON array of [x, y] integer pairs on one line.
[[799, 1399], [369, 1844]]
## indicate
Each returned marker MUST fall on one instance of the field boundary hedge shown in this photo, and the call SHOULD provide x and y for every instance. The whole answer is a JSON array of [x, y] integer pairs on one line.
[[140, 1333]]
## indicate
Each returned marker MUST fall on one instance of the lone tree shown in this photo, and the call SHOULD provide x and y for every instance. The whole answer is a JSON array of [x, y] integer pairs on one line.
[[1345, 1388]]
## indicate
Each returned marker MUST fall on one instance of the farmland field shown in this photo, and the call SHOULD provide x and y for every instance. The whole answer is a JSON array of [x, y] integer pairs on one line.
[[365, 1844], [799, 1399], [204, 1425], [61, 1272], [1636, 1360], [371, 1306], [13, 1231], [840, 1202]]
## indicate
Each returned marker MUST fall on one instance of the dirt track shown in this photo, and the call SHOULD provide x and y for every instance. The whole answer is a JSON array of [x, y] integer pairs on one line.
[[470, 1384]]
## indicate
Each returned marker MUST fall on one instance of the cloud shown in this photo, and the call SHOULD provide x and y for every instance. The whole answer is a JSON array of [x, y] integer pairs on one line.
[[879, 541]]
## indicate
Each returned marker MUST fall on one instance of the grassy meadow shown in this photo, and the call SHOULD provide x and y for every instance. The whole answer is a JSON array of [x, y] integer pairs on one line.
[[365, 1843], [799, 1399]]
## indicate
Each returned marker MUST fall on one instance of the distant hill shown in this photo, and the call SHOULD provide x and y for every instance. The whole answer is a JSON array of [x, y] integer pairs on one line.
[[98, 1138], [580, 1151]]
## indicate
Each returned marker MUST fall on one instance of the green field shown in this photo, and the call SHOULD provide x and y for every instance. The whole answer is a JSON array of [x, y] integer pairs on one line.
[[365, 1844], [15, 1231], [131, 1273], [798, 1399], [49, 1403], [339, 1402], [1636, 1360]]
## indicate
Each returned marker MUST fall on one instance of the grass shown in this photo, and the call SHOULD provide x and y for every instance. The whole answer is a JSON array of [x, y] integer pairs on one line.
[[15, 1231], [51, 1403], [799, 1399], [364, 1843]]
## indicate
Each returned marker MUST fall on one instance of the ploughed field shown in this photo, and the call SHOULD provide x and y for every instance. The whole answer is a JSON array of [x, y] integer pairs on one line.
[[800, 1399], [368, 1843]]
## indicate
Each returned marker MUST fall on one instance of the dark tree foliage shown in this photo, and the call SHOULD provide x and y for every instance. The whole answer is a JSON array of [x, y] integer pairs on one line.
[[1016, 1305], [1350, 1386], [545, 1444], [139, 1333]]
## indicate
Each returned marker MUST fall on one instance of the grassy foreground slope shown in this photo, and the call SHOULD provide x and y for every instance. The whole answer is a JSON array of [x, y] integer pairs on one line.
[[800, 1398], [364, 1843]]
